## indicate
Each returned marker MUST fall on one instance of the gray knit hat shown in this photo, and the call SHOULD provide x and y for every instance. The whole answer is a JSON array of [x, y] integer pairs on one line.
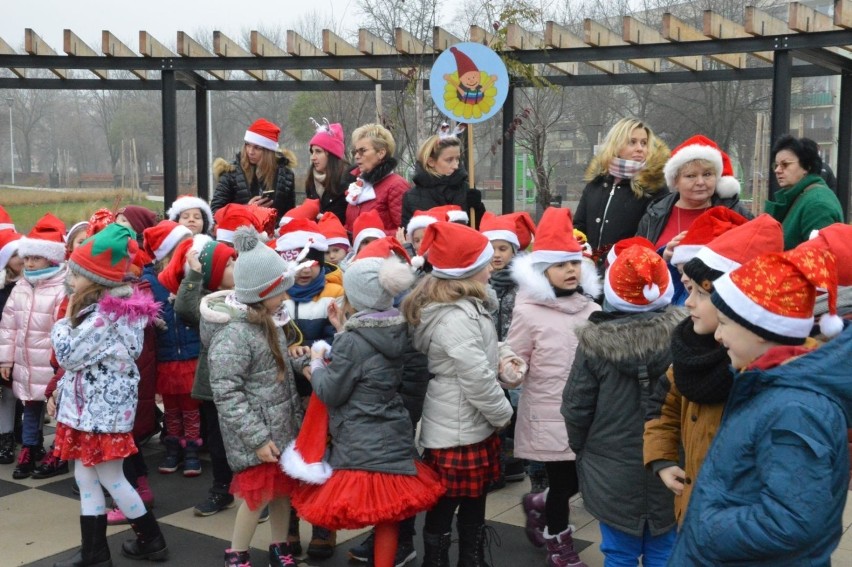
[[259, 272], [377, 275]]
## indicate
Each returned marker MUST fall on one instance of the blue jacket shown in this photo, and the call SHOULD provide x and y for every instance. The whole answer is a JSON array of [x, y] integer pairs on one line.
[[773, 485], [179, 341]]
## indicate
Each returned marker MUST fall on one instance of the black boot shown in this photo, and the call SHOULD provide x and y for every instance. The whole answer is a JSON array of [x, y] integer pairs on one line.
[[472, 543], [436, 549], [94, 551], [149, 543], [7, 448]]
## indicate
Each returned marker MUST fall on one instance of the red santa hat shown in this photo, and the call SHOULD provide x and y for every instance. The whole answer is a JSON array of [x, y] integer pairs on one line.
[[46, 239], [515, 228], [773, 295], [617, 248], [263, 133], [638, 281], [303, 457], [213, 256], [330, 138], [9, 240], [187, 202], [702, 147], [308, 209], [232, 216], [159, 240], [838, 239], [367, 225], [5, 220], [555, 242], [712, 223], [265, 219], [333, 230], [422, 219], [455, 251], [298, 234], [464, 64], [742, 243], [98, 221]]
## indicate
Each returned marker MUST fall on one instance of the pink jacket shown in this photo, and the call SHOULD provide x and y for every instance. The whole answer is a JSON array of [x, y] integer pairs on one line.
[[388, 203], [28, 317], [543, 335]]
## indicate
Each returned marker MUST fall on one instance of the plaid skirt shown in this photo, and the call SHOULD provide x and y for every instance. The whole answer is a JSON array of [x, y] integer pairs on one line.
[[469, 470]]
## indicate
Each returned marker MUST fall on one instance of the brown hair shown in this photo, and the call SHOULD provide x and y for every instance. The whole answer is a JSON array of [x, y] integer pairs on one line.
[[436, 290], [334, 172], [266, 169], [258, 314], [81, 300], [432, 148]]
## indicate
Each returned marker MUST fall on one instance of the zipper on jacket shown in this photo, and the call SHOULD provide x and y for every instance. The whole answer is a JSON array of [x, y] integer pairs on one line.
[[603, 218]]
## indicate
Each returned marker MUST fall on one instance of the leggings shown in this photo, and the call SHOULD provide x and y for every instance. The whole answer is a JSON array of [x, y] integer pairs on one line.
[[439, 520], [562, 476], [108, 474], [7, 410]]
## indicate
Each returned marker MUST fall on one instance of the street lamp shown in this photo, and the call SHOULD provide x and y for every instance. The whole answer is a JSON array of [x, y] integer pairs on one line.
[[11, 101]]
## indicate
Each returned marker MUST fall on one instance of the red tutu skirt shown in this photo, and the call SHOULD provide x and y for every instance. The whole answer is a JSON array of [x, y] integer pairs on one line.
[[176, 376], [261, 483], [467, 471], [353, 499], [91, 448]]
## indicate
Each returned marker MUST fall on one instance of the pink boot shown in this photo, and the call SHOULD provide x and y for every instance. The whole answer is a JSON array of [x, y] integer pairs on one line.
[[534, 508], [560, 549], [145, 492]]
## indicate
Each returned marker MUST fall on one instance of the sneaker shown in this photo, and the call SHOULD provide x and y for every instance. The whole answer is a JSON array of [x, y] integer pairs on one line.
[[215, 503], [280, 556], [51, 466], [363, 552], [264, 515], [405, 553], [237, 558], [116, 517], [26, 464], [322, 543]]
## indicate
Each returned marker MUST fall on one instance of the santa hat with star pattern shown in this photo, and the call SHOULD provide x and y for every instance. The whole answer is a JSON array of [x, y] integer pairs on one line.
[[638, 281]]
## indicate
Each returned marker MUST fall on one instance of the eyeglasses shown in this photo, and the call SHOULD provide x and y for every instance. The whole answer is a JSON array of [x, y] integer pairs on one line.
[[361, 151], [784, 164]]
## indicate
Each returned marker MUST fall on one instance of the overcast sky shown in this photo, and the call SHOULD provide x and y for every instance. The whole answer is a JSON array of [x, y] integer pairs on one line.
[[162, 18]]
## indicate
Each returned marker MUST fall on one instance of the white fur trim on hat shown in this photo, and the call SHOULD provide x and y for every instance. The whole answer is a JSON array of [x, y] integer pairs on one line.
[[716, 261], [683, 253], [169, 243], [688, 154], [225, 235], [338, 241], [6, 225], [555, 256], [727, 187], [294, 465], [458, 216], [419, 221], [614, 300], [7, 252], [297, 240], [367, 233], [455, 273], [262, 141], [53, 251], [758, 315], [182, 204], [506, 235]]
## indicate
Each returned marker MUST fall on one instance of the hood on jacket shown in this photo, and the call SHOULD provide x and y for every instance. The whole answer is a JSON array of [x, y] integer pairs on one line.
[[424, 180], [386, 331], [215, 313], [221, 165], [534, 285], [649, 181], [131, 302]]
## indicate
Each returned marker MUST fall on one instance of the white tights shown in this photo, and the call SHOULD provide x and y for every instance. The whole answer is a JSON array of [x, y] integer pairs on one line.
[[111, 476]]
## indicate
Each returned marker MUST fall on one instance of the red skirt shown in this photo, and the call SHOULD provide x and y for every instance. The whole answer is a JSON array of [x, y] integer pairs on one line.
[[91, 448], [261, 483], [176, 376], [353, 499], [467, 471]]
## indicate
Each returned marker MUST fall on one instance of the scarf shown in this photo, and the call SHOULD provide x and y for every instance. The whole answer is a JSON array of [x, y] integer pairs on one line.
[[360, 191], [35, 276], [502, 282], [701, 366], [625, 168], [306, 293], [319, 182]]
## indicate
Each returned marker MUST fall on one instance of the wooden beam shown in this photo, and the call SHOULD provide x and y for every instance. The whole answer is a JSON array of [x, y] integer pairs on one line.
[[299, 46], [676, 30], [480, 35], [74, 46], [519, 38], [188, 47], [442, 39], [333, 44], [371, 44], [562, 38], [262, 46], [636, 33], [805, 19], [6, 49], [223, 46], [718, 27], [149, 46], [760, 23], [35, 45], [406, 43], [843, 13], [597, 35], [111, 46]]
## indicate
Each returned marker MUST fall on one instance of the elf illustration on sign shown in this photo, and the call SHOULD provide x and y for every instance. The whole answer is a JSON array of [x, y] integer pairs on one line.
[[469, 92]]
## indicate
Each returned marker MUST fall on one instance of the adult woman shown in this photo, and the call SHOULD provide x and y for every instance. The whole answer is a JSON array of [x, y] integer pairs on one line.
[[260, 175], [804, 203], [439, 177], [328, 176], [377, 187], [623, 178]]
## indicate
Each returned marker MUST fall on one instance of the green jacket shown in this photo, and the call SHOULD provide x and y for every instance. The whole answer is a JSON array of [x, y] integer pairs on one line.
[[187, 306], [806, 206]]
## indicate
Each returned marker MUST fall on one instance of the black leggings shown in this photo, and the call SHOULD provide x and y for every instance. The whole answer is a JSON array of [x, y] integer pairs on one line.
[[562, 476], [439, 520]]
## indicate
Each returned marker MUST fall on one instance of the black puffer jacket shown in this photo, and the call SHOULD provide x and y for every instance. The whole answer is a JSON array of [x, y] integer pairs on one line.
[[233, 187], [657, 215], [335, 203], [434, 191]]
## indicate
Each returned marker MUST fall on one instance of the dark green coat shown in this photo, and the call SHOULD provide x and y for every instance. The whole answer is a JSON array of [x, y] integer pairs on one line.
[[806, 206]]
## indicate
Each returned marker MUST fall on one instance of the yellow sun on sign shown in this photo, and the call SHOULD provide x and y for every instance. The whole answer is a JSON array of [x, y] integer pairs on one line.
[[462, 110]]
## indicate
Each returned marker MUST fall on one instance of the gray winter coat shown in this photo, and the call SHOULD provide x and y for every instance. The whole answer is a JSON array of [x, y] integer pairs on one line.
[[254, 406], [368, 423], [618, 358]]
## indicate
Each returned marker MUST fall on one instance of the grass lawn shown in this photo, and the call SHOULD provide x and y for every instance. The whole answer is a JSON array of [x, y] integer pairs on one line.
[[27, 206]]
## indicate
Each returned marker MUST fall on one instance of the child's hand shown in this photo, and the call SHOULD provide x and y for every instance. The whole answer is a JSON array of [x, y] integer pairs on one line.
[[192, 260], [400, 235], [669, 251], [318, 351], [160, 324], [51, 406], [296, 351], [335, 316], [269, 453], [673, 477], [5, 372]]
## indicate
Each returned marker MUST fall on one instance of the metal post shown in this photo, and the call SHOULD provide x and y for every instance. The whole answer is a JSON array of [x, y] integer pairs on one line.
[[844, 144], [201, 136], [782, 85], [508, 196], [11, 101], [170, 169]]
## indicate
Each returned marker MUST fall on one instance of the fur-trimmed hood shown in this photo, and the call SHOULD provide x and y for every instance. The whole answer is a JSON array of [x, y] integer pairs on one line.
[[221, 165], [129, 302], [386, 331], [649, 181], [534, 286]]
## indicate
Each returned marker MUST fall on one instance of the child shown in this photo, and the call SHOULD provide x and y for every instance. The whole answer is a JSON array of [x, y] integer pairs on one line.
[[464, 404], [76, 235], [367, 227], [28, 316], [376, 477], [254, 391], [193, 213], [336, 238], [97, 344], [687, 405], [439, 177], [11, 266], [551, 304], [603, 404], [774, 482]]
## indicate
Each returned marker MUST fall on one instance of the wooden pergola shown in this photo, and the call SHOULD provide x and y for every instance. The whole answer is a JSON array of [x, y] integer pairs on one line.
[[762, 47]]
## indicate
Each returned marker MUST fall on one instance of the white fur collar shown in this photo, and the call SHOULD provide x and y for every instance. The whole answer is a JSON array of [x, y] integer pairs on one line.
[[536, 286]]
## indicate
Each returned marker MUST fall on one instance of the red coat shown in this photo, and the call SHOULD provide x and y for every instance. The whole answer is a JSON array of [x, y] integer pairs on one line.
[[388, 203]]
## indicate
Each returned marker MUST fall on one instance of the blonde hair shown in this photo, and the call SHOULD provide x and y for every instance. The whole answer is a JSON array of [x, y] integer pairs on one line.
[[432, 148], [258, 314], [618, 137], [81, 300], [436, 290], [266, 169], [379, 136], [701, 162]]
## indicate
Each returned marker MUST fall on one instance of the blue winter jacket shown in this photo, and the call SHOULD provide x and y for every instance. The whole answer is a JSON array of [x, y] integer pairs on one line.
[[774, 482], [178, 341]]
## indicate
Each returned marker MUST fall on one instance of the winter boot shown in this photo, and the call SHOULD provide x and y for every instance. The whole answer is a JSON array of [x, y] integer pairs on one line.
[[538, 476], [26, 463], [174, 456], [191, 462], [436, 549], [322, 543], [50, 467], [7, 448], [149, 543], [534, 509], [237, 558], [280, 556], [94, 551], [472, 543], [560, 549], [294, 540]]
